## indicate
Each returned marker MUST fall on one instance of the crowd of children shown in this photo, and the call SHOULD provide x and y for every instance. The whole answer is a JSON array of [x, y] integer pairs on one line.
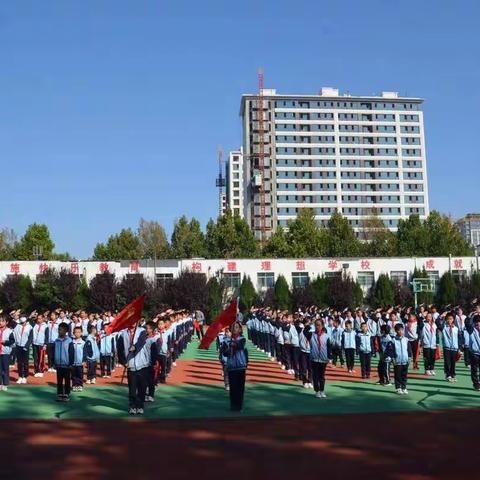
[[77, 346], [304, 343]]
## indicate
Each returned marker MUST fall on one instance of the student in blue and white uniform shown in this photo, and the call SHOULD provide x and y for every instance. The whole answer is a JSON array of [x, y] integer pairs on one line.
[[107, 348], [133, 355], [384, 362], [429, 339], [336, 340], [464, 342], [92, 353], [7, 340], [23, 334], [304, 344], [151, 343], [223, 359], [320, 356], [39, 342], [364, 348], [53, 324], [349, 345], [233, 348], [474, 347], [400, 355], [63, 356], [79, 358], [450, 346]]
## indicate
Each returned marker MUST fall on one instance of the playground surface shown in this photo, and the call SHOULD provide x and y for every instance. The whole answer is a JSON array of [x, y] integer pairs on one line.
[[284, 430]]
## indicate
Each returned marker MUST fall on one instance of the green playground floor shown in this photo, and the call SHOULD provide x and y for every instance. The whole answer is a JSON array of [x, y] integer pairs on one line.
[[261, 399]]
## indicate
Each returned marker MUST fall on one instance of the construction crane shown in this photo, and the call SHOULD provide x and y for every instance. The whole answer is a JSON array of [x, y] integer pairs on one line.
[[220, 181], [261, 155]]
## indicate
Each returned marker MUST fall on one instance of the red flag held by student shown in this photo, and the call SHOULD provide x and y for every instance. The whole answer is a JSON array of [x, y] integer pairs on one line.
[[128, 317], [225, 319]]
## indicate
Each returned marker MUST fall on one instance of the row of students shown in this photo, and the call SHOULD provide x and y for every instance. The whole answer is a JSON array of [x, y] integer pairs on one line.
[[282, 337]]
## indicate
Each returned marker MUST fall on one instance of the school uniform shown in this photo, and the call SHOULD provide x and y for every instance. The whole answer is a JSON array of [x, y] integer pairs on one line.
[[383, 368], [23, 334], [305, 363], [336, 340], [92, 354], [450, 349], [372, 326], [400, 355], [463, 338], [320, 355], [106, 352], [162, 353], [39, 342], [223, 359], [52, 336], [295, 350], [137, 363], [7, 340], [63, 355], [79, 358], [349, 346], [411, 334], [151, 343], [429, 340], [279, 344], [364, 348], [237, 362], [474, 348]]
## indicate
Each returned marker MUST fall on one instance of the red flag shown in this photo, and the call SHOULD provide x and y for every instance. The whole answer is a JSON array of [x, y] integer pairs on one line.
[[225, 319], [438, 353], [128, 317]]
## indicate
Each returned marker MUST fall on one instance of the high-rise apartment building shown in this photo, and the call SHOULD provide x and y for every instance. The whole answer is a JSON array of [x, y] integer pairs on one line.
[[360, 155], [469, 226], [234, 177]]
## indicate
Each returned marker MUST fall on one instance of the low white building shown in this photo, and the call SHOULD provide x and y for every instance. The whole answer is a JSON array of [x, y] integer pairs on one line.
[[262, 271]]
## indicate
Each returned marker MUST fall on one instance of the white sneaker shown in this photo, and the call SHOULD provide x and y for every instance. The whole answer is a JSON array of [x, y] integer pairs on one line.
[[283, 367], [432, 372], [174, 364], [88, 382], [132, 411], [323, 395], [24, 380], [428, 372], [36, 375], [399, 391], [94, 380], [139, 411], [405, 391], [4, 388], [19, 381], [272, 359], [305, 385], [454, 379], [318, 394]]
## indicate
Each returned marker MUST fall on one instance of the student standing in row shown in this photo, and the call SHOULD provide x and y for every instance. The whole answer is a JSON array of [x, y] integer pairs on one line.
[[474, 348], [79, 358], [40, 333], [6, 341], [63, 355], [400, 355], [450, 346], [23, 339]]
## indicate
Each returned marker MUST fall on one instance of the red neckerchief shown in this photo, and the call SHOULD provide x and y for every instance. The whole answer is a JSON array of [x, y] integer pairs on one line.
[[319, 340], [132, 335], [23, 329]]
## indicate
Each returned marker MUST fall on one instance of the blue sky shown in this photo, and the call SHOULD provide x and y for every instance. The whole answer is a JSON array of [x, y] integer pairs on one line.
[[114, 110]]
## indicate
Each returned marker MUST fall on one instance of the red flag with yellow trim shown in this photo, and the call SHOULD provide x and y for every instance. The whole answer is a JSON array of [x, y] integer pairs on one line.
[[128, 317], [225, 319]]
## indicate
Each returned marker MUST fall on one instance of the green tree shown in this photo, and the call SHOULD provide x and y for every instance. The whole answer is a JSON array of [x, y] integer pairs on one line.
[[231, 237], [214, 304], [379, 240], [341, 239], [282, 294], [248, 295], [121, 246], [46, 290], [412, 238], [153, 240], [8, 239], [80, 301], [37, 236], [16, 292], [188, 240], [447, 290], [383, 291], [320, 291], [277, 245], [444, 237], [305, 237]]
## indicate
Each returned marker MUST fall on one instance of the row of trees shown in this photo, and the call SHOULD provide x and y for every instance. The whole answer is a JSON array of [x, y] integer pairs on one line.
[[54, 289], [231, 237]]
